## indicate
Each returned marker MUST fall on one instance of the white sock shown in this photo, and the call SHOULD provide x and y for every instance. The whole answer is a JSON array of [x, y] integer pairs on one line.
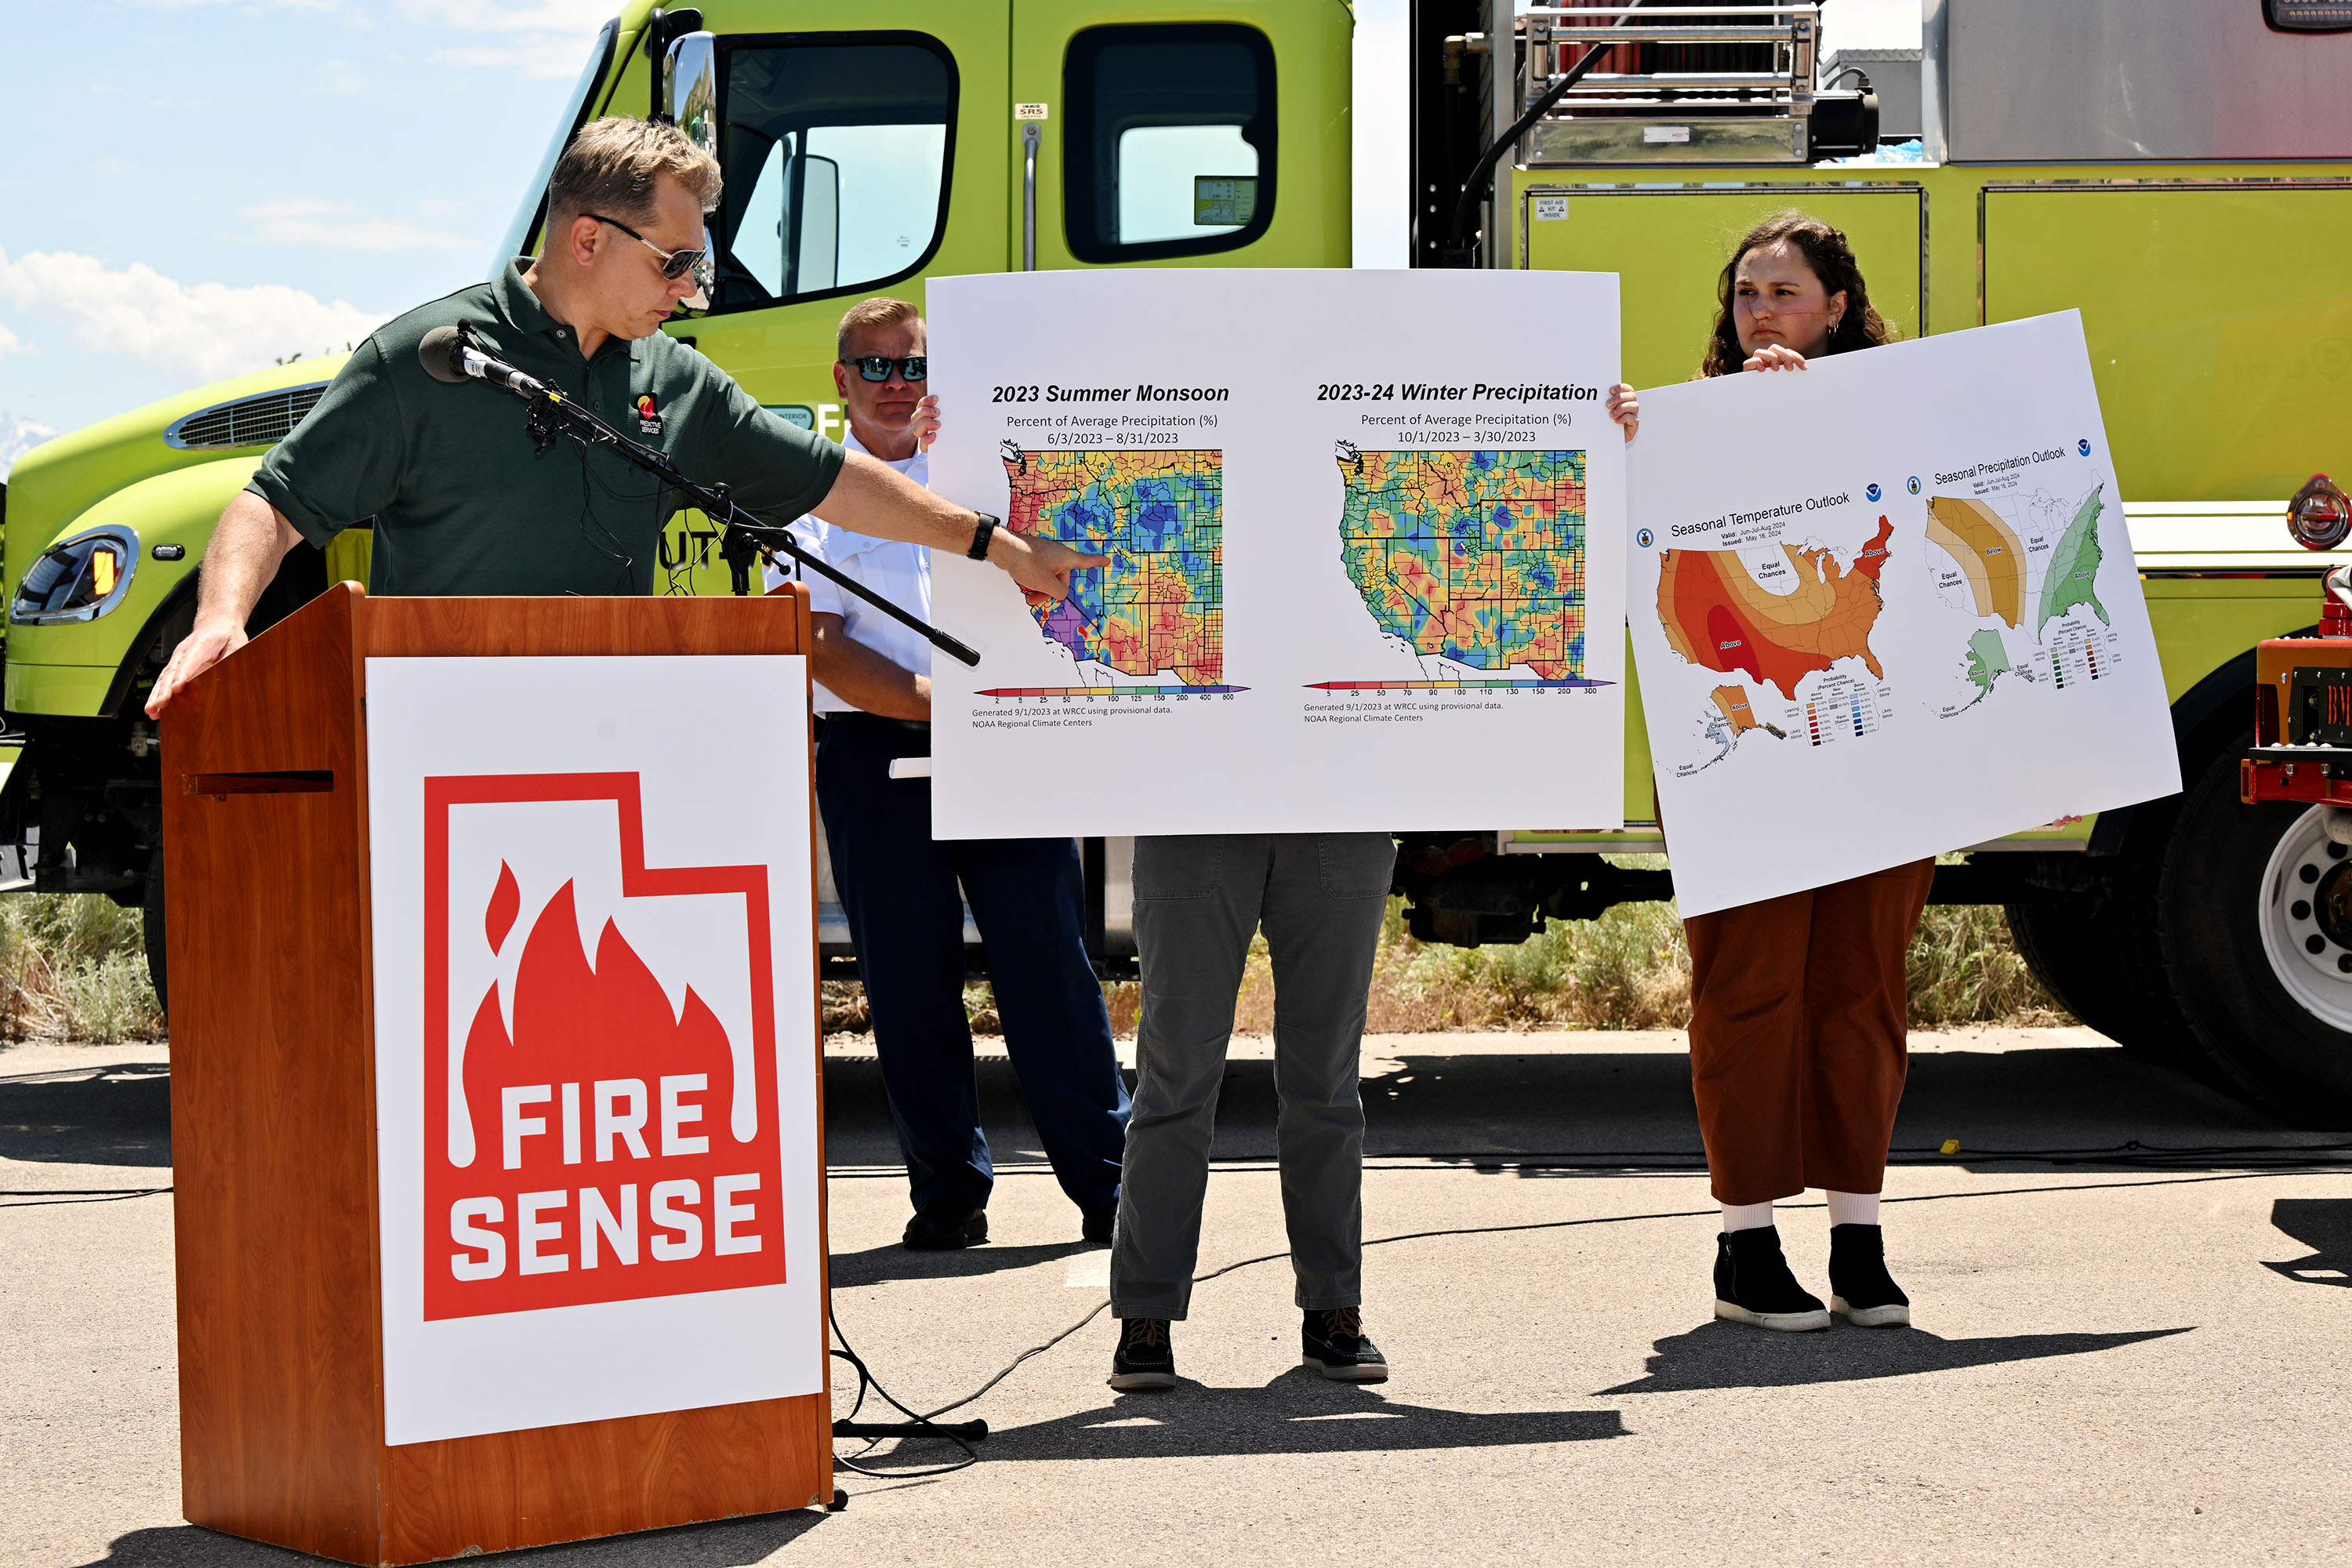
[[1747, 1217], [1853, 1209]]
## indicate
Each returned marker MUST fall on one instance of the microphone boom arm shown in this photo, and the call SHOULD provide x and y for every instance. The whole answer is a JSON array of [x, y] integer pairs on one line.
[[554, 415]]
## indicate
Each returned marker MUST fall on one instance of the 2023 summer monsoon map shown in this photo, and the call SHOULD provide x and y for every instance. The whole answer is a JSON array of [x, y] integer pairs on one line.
[[1793, 622]]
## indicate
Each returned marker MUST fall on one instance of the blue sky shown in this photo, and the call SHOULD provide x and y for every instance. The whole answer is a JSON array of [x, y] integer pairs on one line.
[[201, 186]]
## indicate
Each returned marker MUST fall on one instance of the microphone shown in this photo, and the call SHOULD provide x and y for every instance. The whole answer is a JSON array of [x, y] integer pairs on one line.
[[448, 355]]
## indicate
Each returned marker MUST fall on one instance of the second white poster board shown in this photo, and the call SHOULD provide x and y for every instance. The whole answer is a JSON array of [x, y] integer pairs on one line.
[[1886, 606], [1366, 539]]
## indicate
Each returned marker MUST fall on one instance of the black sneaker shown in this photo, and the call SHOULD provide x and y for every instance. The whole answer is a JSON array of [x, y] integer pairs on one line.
[[1144, 1359], [1753, 1284], [944, 1227], [1333, 1344], [1097, 1226], [1860, 1286]]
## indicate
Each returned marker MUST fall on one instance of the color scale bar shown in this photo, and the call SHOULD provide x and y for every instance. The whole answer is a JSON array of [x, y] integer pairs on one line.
[[1456, 685], [1111, 691]]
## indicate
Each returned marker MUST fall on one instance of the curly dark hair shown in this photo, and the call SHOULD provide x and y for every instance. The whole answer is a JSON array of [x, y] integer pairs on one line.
[[1825, 250]]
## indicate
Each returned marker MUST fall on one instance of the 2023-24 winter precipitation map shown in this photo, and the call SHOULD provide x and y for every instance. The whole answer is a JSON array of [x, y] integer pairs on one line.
[[2018, 572]]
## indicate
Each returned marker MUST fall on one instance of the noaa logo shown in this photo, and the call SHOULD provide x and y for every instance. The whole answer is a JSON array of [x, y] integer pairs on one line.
[[2083, 448], [1871, 491], [1644, 538], [1912, 484]]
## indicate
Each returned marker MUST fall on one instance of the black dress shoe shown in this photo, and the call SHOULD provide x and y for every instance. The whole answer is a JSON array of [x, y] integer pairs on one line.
[[1753, 1284], [1333, 1344], [1097, 1225], [1145, 1357], [944, 1227], [1860, 1286]]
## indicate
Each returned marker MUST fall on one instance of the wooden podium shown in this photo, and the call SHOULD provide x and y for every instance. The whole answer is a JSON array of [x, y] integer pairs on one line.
[[275, 1117]]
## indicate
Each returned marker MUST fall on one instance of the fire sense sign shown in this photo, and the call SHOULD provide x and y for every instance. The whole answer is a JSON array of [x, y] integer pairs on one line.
[[596, 1039]]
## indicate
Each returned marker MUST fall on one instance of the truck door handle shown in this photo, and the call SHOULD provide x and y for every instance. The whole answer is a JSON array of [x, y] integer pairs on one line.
[[1029, 197]]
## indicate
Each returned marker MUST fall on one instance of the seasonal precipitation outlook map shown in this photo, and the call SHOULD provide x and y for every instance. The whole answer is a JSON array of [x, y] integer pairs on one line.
[[1475, 559], [2014, 564], [1798, 611], [1157, 611]]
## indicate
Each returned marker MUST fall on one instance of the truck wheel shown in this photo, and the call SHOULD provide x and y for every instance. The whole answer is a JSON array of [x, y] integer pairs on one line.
[[152, 926], [2095, 952], [2256, 930]]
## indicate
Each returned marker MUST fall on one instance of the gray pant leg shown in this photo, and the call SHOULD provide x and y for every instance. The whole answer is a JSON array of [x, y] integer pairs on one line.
[[1196, 907], [1324, 903]]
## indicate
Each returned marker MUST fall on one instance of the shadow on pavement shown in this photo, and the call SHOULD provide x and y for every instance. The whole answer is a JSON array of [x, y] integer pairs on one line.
[[726, 1543], [1719, 1354], [2324, 1224], [876, 1265], [1542, 1098], [1298, 1413], [115, 1115]]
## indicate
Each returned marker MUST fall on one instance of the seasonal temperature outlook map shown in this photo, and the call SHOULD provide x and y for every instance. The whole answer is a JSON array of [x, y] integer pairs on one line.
[[1777, 617], [1150, 623], [1472, 560]]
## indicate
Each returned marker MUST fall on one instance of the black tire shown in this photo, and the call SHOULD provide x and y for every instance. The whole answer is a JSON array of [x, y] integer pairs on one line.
[[2096, 953], [152, 926], [2233, 883]]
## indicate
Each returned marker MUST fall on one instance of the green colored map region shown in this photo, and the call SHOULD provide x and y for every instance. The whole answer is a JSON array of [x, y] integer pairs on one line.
[[2073, 567], [1988, 657]]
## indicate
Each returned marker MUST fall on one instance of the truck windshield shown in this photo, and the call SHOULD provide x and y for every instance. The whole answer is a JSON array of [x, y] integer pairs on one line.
[[576, 113]]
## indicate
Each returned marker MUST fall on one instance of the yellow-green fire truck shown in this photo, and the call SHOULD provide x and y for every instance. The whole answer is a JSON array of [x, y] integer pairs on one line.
[[2174, 169]]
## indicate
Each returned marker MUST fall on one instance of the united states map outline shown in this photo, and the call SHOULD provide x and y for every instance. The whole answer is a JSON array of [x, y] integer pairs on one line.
[[1717, 616]]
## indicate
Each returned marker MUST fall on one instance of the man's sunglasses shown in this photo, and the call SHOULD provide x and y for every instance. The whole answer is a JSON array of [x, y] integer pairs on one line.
[[878, 367], [675, 264]]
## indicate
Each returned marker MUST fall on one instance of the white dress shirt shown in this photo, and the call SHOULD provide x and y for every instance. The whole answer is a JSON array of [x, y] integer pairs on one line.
[[898, 572]]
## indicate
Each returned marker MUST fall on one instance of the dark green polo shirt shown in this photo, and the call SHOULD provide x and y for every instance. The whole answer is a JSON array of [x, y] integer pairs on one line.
[[460, 504]]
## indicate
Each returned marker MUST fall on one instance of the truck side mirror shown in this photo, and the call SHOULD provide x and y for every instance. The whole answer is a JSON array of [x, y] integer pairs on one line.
[[690, 71]]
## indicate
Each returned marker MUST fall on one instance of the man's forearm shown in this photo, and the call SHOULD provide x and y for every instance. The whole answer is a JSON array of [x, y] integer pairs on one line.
[[247, 544], [871, 498]]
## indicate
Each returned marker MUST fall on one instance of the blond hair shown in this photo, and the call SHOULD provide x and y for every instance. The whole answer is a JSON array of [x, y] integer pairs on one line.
[[612, 165], [877, 312]]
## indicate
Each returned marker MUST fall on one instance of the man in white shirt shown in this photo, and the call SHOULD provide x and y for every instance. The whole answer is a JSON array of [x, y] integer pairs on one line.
[[901, 888]]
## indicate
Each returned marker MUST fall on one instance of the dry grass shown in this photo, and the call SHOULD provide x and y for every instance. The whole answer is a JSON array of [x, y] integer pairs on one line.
[[72, 967], [1628, 970]]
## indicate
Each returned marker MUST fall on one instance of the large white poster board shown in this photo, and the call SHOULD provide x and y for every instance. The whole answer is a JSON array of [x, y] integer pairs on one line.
[[1366, 538], [598, 1181], [1885, 606]]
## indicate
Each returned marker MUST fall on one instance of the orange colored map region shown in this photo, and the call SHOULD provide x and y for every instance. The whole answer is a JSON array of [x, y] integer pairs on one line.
[[1716, 615], [1988, 551], [1733, 702]]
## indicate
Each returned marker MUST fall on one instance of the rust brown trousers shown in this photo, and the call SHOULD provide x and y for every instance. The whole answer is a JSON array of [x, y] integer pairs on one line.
[[1797, 1012]]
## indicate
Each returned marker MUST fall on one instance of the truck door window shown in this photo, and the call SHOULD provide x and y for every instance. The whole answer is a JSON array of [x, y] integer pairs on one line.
[[836, 157], [1171, 141]]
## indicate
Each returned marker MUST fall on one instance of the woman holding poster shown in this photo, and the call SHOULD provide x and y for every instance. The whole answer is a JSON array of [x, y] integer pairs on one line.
[[1799, 1003]]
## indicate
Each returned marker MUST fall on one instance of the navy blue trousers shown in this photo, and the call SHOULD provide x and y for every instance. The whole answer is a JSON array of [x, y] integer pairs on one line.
[[898, 888]]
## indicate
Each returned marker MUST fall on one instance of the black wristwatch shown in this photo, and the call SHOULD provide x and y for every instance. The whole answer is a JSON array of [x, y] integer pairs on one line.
[[981, 535]]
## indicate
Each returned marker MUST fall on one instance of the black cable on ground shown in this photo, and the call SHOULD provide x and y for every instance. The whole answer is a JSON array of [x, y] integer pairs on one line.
[[1709, 1213]]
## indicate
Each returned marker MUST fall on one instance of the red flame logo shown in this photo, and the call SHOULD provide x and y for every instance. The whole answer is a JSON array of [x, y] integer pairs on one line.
[[605, 1165]]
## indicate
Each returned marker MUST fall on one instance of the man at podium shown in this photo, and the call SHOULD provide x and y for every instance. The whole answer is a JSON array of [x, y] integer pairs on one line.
[[460, 503]]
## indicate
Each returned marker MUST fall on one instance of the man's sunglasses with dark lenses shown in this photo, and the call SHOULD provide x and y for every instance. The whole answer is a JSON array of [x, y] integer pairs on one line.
[[878, 367], [675, 264]]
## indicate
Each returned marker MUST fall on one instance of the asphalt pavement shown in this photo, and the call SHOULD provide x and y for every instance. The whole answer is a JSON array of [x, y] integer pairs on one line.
[[2136, 1357]]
